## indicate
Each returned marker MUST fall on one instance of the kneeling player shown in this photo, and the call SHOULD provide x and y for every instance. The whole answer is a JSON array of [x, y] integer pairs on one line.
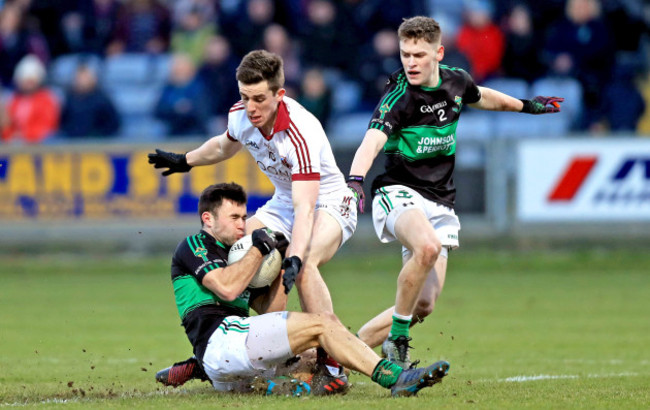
[[213, 301]]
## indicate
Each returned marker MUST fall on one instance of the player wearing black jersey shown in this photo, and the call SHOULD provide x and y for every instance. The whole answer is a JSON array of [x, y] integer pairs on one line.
[[413, 200], [213, 301]]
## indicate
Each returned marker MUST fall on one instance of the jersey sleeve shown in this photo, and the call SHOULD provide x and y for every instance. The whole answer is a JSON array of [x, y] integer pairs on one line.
[[472, 92], [307, 139], [192, 259], [386, 116], [234, 119]]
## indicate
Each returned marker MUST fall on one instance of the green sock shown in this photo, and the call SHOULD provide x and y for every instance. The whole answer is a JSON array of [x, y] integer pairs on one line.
[[386, 373], [400, 327]]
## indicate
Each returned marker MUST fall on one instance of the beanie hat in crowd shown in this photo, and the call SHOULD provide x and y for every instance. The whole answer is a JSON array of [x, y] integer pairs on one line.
[[30, 67]]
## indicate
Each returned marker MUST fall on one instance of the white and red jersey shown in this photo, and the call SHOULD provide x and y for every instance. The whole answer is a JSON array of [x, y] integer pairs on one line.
[[296, 150]]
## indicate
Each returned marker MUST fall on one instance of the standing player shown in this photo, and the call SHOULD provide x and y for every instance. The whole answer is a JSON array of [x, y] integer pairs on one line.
[[213, 301], [413, 200], [311, 204]]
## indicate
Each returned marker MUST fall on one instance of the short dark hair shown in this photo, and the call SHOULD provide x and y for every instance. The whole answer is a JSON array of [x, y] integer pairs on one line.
[[261, 65], [212, 197], [420, 28]]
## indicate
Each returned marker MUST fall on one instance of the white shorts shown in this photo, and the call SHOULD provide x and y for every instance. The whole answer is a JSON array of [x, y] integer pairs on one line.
[[391, 201], [245, 347], [277, 213]]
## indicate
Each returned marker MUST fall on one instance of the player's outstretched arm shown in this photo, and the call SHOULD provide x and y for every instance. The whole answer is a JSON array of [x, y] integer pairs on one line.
[[213, 151], [494, 100], [372, 143]]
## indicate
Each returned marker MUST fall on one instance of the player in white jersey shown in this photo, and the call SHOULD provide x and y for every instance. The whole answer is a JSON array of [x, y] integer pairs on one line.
[[297, 151], [312, 204]]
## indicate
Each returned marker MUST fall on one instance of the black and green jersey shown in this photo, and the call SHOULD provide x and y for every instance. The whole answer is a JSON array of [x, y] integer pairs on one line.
[[202, 311], [420, 123]]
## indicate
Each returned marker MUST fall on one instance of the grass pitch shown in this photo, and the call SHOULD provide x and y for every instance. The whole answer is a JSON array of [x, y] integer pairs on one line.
[[546, 329]]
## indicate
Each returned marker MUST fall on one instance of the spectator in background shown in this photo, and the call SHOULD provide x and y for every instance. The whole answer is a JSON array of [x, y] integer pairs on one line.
[[315, 96], [16, 42], [181, 8], [276, 40], [98, 19], [376, 15], [143, 26], [627, 25], [72, 27], [246, 34], [328, 40], [217, 73], [88, 112], [182, 104], [451, 12], [4, 116], [580, 46], [290, 14], [33, 110], [546, 12], [191, 34], [353, 14], [38, 40], [521, 57], [453, 56], [481, 40], [376, 63], [643, 126], [43, 18], [624, 114], [13, 42]]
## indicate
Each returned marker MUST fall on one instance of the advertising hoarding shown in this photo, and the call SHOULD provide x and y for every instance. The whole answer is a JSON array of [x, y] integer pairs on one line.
[[111, 182], [595, 179]]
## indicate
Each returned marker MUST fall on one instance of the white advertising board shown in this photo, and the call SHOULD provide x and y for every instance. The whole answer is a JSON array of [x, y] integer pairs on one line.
[[583, 180]]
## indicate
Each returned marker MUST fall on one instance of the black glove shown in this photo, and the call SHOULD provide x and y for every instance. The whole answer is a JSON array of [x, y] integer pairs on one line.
[[291, 267], [266, 240], [355, 183], [164, 159], [283, 243], [542, 105]]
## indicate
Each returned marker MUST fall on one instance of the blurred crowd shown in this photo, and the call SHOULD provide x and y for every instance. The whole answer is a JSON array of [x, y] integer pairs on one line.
[[85, 69]]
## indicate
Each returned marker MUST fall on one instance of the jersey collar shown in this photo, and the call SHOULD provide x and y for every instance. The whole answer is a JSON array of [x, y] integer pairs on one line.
[[425, 88], [281, 121], [212, 239]]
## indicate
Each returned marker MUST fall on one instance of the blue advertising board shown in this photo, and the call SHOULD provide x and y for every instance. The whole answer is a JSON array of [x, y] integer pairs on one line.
[[108, 182]]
